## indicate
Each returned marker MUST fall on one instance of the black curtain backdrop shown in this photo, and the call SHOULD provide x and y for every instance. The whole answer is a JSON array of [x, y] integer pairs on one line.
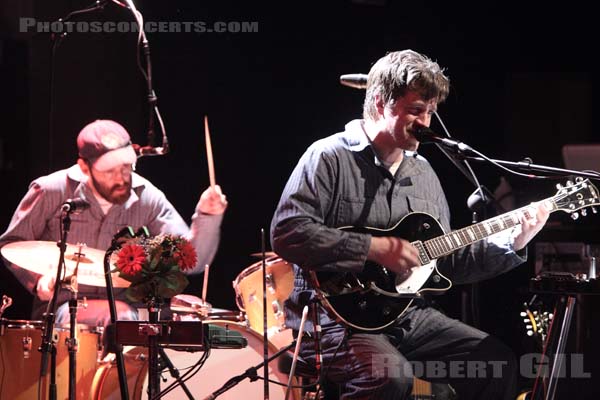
[[522, 76]]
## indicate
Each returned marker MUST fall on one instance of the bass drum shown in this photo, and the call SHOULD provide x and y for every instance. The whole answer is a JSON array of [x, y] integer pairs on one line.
[[20, 360], [221, 365]]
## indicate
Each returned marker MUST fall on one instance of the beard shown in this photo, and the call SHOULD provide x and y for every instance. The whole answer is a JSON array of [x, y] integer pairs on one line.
[[116, 194]]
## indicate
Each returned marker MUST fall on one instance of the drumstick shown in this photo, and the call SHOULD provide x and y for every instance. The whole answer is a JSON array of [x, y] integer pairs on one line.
[[209, 155], [205, 284]]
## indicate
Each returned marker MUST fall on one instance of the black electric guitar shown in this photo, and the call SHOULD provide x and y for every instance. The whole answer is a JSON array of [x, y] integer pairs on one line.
[[376, 297]]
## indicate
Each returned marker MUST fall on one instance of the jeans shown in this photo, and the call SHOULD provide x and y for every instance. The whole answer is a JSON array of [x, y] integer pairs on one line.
[[423, 343]]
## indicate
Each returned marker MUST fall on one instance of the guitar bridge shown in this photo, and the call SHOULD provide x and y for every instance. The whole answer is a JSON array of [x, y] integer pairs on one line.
[[400, 295]]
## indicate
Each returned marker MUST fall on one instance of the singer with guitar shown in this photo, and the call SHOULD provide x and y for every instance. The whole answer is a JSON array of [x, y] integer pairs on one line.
[[336, 216]]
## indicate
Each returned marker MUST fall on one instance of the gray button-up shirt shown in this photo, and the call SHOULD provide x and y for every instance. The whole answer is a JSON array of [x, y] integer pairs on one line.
[[38, 218], [340, 182]]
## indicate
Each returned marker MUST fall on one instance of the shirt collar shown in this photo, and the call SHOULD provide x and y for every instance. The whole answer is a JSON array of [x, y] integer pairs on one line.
[[358, 141], [76, 174]]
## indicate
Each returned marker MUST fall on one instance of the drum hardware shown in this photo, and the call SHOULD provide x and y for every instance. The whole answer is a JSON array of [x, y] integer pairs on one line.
[[6, 302]]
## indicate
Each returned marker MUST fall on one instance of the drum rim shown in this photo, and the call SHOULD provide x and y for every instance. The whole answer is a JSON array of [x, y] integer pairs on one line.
[[256, 266], [38, 324]]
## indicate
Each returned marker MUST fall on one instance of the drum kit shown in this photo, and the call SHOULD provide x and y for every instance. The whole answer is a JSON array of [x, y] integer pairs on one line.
[[96, 372]]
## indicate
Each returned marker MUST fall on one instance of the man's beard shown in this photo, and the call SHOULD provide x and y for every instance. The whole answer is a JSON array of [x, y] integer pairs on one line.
[[108, 192]]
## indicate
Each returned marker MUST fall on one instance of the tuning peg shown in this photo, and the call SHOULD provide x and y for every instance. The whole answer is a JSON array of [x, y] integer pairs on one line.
[[578, 179], [574, 215], [525, 319], [569, 183], [529, 333], [559, 186], [584, 213], [550, 316], [529, 326], [594, 210], [523, 314]]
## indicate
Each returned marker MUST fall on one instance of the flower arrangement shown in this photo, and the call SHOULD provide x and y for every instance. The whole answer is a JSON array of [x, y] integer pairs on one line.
[[155, 265]]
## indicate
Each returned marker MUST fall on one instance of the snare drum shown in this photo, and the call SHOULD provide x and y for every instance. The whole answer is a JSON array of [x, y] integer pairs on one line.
[[20, 360], [249, 293], [221, 365]]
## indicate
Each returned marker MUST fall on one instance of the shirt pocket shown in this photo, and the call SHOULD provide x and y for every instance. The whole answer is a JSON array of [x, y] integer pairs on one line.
[[416, 204], [366, 211]]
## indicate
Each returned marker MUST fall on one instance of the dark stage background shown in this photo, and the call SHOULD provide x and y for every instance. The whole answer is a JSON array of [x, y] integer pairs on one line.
[[523, 85]]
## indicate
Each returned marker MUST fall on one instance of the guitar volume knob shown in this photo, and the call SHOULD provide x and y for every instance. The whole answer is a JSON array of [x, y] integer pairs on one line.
[[362, 305]]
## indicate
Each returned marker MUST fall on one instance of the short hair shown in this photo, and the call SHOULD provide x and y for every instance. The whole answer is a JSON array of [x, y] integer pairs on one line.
[[401, 71]]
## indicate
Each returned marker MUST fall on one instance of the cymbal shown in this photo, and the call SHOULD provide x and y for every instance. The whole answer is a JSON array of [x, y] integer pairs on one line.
[[41, 257], [268, 254]]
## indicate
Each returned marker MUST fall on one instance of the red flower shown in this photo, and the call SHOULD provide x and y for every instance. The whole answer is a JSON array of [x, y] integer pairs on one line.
[[185, 255], [130, 259]]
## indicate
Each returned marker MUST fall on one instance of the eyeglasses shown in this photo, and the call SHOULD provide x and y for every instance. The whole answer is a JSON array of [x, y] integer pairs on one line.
[[124, 170]]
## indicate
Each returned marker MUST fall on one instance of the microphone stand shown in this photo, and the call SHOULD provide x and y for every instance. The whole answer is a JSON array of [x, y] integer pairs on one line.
[[174, 372], [148, 150], [466, 152], [56, 40], [110, 296], [250, 373], [528, 165], [48, 346], [265, 329], [72, 342]]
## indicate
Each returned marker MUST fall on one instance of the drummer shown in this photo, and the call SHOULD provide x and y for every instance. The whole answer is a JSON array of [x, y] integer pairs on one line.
[[105, 177]]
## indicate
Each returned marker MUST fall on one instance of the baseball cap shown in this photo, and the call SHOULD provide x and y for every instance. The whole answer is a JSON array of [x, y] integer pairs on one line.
[[105, 144]]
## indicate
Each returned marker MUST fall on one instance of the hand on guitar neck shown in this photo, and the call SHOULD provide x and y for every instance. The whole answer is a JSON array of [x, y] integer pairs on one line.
[[532, 220], [397, 254]]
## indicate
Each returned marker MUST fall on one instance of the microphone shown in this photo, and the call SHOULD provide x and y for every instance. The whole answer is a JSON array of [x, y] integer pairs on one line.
[[425, 135], [149, 150], [356, 81], [75, 205]]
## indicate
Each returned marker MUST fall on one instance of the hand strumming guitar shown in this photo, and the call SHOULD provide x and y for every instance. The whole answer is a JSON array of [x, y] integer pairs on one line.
[[396, 254]]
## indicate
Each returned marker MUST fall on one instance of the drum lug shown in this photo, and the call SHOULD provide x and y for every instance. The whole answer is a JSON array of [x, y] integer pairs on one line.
[[26, 342]]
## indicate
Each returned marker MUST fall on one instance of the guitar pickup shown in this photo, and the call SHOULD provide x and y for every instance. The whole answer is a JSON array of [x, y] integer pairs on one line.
[[423, 256]]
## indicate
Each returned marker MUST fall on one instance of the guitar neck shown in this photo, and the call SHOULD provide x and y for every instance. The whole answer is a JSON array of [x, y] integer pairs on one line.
[[447, 244]]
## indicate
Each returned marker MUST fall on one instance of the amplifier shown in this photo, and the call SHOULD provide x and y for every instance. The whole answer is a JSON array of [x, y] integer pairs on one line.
[[567, 257], [185, 335], [168, 333]]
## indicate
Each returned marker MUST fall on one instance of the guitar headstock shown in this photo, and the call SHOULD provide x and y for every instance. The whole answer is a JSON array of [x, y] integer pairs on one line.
[[575, 196], [537, 322]]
